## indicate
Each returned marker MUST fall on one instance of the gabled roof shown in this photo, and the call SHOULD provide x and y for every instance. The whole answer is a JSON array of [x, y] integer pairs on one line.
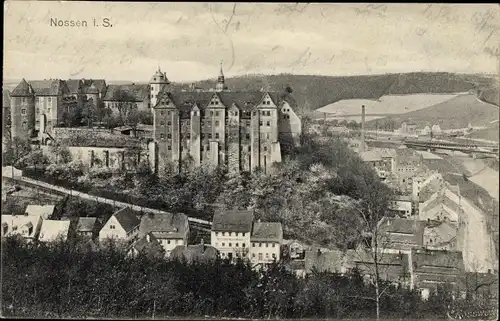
[[370, 156], [74, 85], [233, 221], [86, 224], [437, 265], [23, 89], [401, 233], [192, 253], [45, 211], [52, 87], [52, 229], [18, 221], [127, 219], [149, 244], [129, 93], [169, 225], [330, 261], [267, 231]]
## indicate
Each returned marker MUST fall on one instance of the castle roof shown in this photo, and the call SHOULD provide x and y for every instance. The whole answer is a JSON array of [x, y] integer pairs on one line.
[[129, 93], [23, 89], [51, 87], [74, 85]]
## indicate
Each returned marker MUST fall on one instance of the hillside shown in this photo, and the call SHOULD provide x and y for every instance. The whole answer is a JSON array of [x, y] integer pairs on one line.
[[313, 92], [457, 112], [489, 133]]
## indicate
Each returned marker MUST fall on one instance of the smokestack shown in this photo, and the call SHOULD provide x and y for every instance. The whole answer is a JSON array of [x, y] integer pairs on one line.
[[362, 146]]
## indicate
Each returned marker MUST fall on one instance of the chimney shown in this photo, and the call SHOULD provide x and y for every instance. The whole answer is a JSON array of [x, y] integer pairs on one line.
[[362, 146], [148, 238]]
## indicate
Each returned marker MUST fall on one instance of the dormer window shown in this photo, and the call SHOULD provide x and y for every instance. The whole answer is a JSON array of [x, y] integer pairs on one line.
[[169, 123], [23, 111]]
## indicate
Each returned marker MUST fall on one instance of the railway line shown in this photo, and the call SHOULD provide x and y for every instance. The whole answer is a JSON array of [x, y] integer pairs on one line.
[[61, 191]]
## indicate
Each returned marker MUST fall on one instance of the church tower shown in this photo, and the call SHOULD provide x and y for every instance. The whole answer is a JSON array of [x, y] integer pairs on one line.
[[158, 82], [220, 86]]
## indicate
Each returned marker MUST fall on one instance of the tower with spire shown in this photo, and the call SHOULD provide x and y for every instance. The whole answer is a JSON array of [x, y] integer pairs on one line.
[[158, 82], [221, 85]]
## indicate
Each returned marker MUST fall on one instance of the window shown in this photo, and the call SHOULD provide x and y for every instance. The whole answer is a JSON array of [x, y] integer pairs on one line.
[[230, 244], [253, 244], [249, 148], [162, 123], [162, 136], [248, 123], [208, 147], [223, 244], [260, 256], [195, 113], [223, 233], [265, 149], [274, 255], [209, 136], [49, 100], [217, 135], [217, 113], [243, 245], [188, 135], [268, 123], [267, 244], [168, 241], [188, 123], [202, 135], [169, 136], [248, 136], [260, 244], [253, 254], [243, 234], [236, 113], [217, 123], [169, 123], [162, 113], [274, 245], [48, 110], [237, 244], [267, 135], [111, 227], [267, 256], [260, 123], [23, 111], [202, 123], [169, 147]]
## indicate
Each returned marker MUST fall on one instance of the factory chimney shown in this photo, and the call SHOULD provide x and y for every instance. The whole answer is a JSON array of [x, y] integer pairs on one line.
[[362, 145]]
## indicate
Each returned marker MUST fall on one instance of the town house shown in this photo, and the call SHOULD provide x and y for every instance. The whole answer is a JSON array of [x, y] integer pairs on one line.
[[54, 230], [170, 229], [266, 239], [231, 233], [26, 226], [122, 225]]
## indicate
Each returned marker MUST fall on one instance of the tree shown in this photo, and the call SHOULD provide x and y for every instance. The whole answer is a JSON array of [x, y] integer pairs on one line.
[[89, 111], [146, 117], [288, 89], [125, 103], [132, 119], [34, 158], [16, 149], [72, 114], [61, 153]]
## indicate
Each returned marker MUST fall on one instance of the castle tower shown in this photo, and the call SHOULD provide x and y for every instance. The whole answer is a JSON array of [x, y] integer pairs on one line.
[[221, 85], [22, 109], [157, 84]]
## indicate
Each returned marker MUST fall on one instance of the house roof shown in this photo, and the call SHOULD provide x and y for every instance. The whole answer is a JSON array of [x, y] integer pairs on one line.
[[74, 85], [99, 84], [191, 253], [52, 87], [233, 221], [401, 233], [169, 225], [370, 156], [150, 246], [127, 219], [23, 89], [437, 261], [44, 211], [267, 231], [330, 261], [18, 221], [128, 93], [52, 229], [86, 224], [92, 89]]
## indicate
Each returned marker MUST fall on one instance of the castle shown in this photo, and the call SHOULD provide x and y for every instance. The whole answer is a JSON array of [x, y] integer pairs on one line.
[[243, 130]]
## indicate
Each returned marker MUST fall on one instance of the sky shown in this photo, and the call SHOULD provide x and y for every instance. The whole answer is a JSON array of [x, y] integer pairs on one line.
[[191, 40]]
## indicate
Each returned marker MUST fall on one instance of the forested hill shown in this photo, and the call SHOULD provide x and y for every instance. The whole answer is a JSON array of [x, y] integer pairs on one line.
[[313, 92]]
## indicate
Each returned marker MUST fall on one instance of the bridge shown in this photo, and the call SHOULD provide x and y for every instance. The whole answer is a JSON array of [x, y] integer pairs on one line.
[[61, 191], [467, 148]]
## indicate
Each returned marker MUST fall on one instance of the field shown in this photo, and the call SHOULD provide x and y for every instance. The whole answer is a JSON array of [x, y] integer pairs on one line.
[[386, 105], [457, 112], [490, 133]]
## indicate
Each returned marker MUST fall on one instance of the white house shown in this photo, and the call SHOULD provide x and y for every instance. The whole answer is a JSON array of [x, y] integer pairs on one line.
[[171, 229], [27, 226], [53, 230], [122, 225], [231, 233], [266, 239]]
